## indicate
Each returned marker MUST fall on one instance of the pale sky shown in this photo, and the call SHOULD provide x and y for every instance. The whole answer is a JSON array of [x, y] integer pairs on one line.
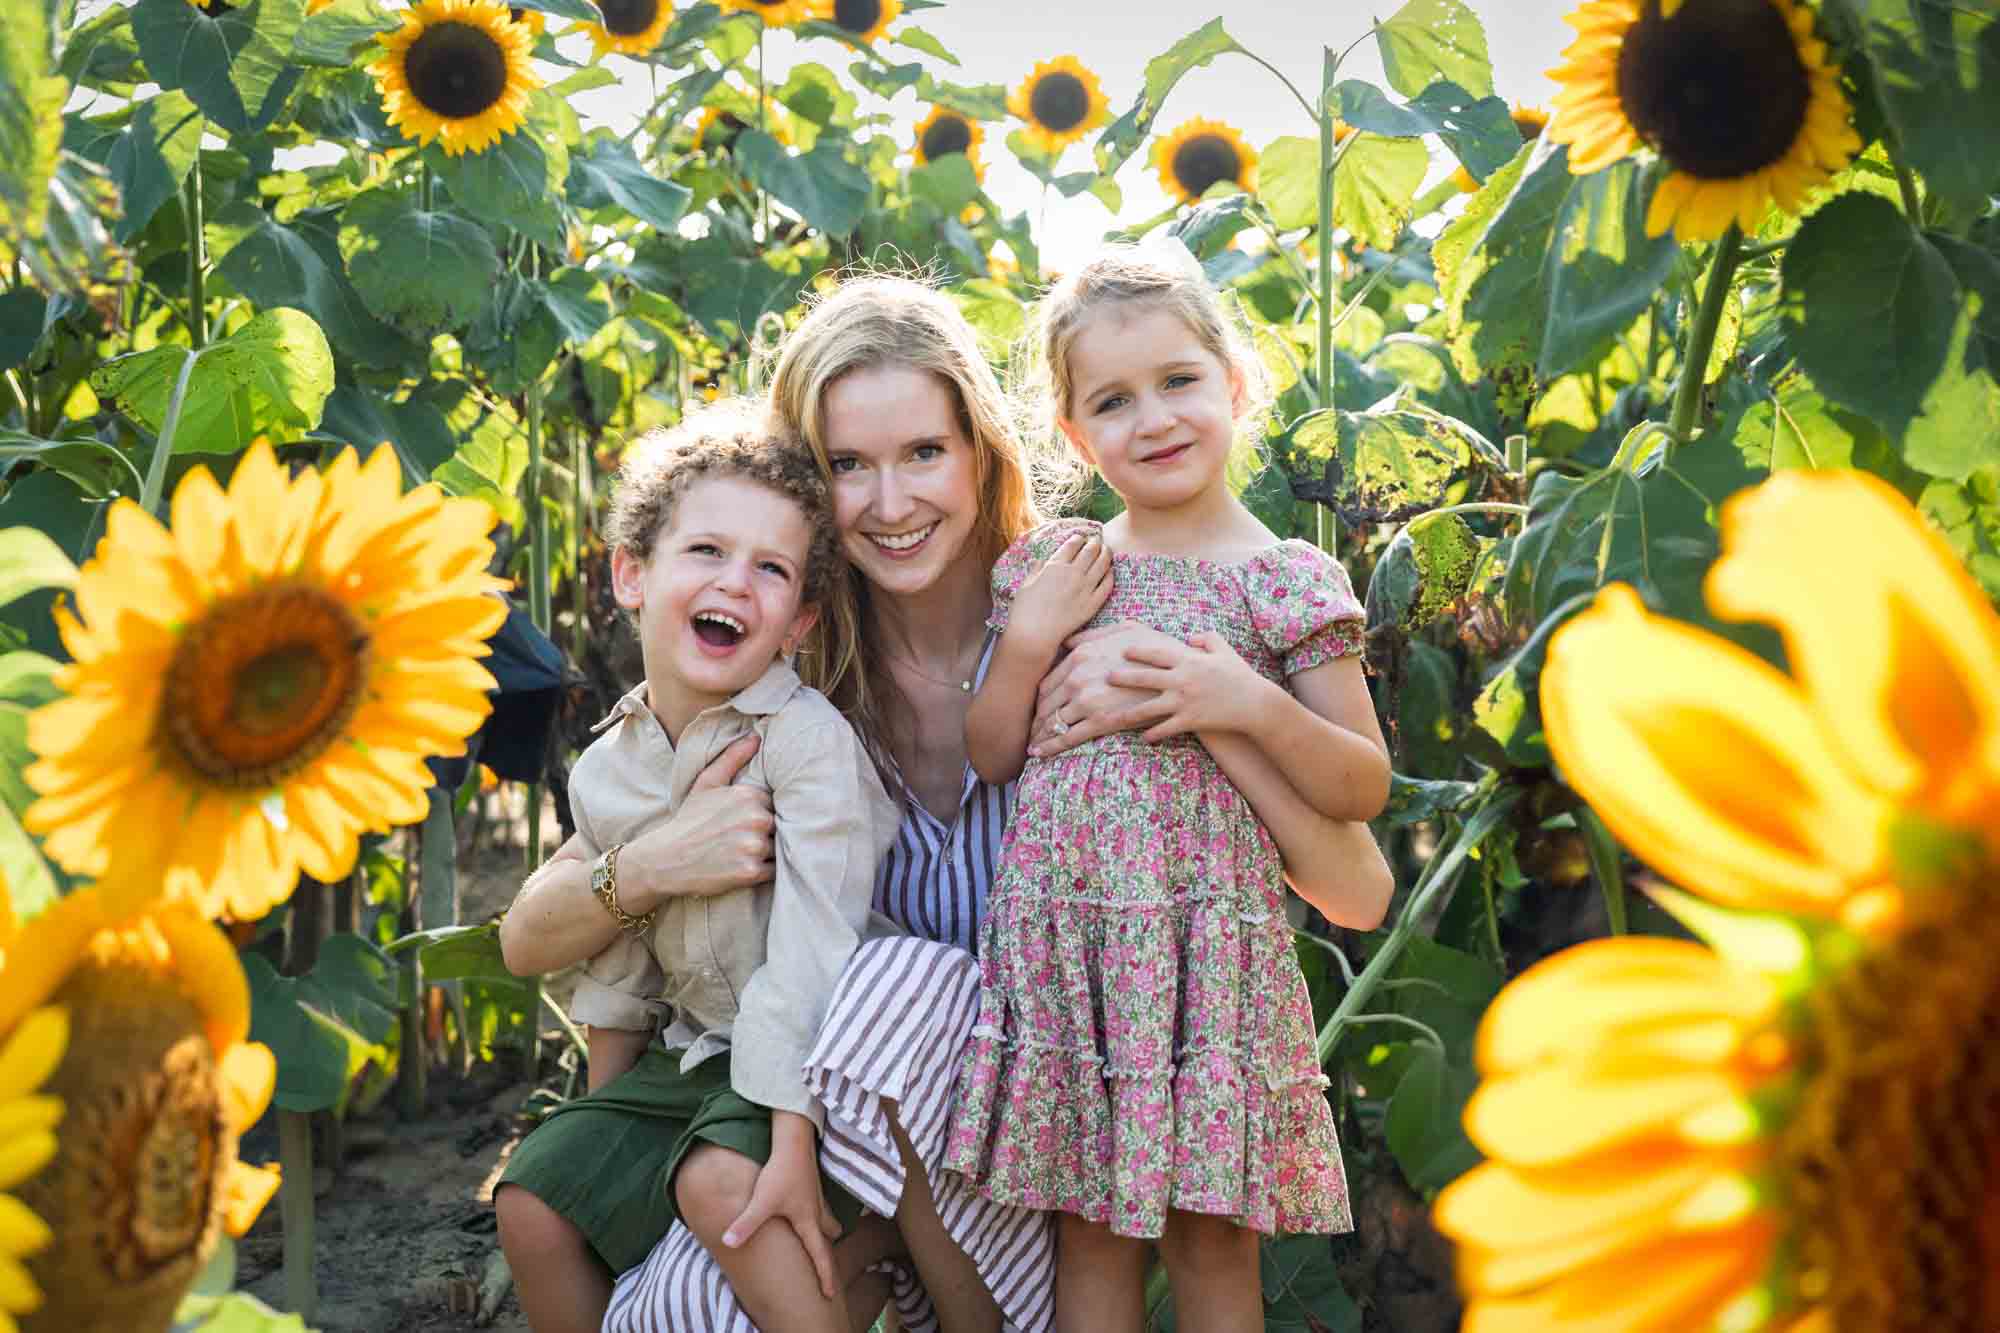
[[999, 41]]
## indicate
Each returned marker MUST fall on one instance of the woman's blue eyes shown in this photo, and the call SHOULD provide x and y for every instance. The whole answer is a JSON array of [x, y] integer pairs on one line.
[[924, 453]]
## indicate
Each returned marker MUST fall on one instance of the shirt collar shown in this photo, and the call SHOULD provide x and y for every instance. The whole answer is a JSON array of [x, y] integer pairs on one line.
[[761, 697]]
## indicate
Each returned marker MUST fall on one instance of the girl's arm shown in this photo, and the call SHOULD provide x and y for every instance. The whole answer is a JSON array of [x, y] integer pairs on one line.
[[612, 1052], [1334, 864], [1054, 601]]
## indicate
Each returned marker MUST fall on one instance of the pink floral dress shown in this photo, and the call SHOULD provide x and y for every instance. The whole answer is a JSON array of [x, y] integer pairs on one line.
[[1145, 1041]]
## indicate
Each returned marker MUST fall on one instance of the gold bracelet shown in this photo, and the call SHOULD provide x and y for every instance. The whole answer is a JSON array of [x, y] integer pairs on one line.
[[604, 883]]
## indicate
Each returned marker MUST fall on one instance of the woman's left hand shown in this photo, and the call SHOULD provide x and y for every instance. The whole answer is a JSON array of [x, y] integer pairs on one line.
[[1202, 684]]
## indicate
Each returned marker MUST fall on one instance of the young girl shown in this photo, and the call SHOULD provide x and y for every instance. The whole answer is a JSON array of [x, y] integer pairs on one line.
[[724, 551], [1144, 1061]]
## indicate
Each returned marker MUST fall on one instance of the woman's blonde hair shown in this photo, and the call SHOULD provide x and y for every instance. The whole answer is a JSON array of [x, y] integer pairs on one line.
[[874, 320], [1164, 276]]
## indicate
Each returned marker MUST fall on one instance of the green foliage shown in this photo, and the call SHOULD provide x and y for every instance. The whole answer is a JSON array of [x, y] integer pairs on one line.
[[326, 1026], [420, 269], [271, 377], [1428, 40], [237, 68]]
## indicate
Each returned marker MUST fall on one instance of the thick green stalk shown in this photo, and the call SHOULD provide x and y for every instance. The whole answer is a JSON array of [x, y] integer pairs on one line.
[[295, 1207], [197, 307], [1438, 877], [1325, 233], [163, 446], [579, 516], [1701, 335]]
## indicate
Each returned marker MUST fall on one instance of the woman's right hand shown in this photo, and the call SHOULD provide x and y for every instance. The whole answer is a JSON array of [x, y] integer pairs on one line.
[[1078, 691], [720, 838]]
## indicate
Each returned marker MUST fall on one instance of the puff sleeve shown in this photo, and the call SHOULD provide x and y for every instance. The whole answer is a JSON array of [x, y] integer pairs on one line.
[[1024, 557], [1303, 607]]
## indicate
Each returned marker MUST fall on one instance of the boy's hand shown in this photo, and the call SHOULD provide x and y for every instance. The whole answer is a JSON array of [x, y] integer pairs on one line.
[[788, 1187], [1063, 593]]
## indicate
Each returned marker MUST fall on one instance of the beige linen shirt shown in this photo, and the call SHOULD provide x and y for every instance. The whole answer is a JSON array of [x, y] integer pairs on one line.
[[750, 970]]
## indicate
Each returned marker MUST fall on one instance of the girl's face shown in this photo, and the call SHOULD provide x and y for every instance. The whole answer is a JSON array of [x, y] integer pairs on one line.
[[721, 597], [1151, 408], [905, 482]]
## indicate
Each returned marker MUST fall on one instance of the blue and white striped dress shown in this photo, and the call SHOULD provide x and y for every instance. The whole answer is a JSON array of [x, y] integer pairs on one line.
[[895, 1030]]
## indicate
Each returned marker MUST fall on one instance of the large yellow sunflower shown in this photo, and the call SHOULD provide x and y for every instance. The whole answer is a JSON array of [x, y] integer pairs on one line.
[[630, 27], [158, 1082], [255, 688], [863, 20], [1061, 101], [1201, 153], [456, 72], [776, 13], [944, 132], [1736, 95], [30, 1049], [1800, 1127]]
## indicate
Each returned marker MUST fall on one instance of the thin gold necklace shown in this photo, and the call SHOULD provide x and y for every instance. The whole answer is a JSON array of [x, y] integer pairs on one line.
[[964, 685]]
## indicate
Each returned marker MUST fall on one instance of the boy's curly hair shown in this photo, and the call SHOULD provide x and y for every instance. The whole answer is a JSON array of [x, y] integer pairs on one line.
[[735, 437]]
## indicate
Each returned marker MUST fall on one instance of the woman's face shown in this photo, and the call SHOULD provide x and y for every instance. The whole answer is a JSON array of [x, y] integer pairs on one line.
[[905, 490]]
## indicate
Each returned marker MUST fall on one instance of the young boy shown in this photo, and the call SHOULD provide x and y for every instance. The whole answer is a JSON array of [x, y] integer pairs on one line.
[[724, 553]]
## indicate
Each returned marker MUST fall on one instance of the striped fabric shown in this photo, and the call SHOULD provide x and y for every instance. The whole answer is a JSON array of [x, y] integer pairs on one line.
[[895, 1030]]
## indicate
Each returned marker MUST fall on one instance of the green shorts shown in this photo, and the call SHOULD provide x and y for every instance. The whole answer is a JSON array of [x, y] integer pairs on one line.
[[606, 1161]]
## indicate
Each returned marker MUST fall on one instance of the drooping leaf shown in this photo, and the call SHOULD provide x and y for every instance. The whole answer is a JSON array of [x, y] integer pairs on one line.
[[1381, 465], [1302, 1288], [1375, 185], [609, 172], [422, 271], [1287, 181], [237, 67], [418, 432], [822, 186], [310, 1022], [272, 375], [1127, 132], [1493, 279], [148, 157], [30, 560], [31, 126], [331, 36], [1422, 1125], [1479, 130], [1601, 270], [514, 183], [1428, 40], [274, 264]]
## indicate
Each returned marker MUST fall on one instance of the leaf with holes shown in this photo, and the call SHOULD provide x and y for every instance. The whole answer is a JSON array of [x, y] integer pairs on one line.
[[237, 67], [1428, 40], [270, 377]]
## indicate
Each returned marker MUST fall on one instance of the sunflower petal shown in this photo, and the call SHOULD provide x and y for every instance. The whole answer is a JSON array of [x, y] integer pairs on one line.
[[1895, 646], [245, 1191], [1499, 1207], [1560, 1113], [36, 1045], [1681, 1284], [1705, 761]]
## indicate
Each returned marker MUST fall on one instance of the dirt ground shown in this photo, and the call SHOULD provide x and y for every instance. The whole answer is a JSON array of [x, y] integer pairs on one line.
[[404, 1230]]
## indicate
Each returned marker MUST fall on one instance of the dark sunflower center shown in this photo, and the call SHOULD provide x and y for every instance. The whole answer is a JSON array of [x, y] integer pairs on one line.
[[1719, 89], [264, 683], [1894, 1152], [1059, 101], [456, 70], [215, 9], [1203, 160], [1530, 127], [947, 136], [857, 15], [628, 18]]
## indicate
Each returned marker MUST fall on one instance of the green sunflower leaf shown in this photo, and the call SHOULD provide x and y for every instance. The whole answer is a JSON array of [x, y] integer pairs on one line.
[[1287, 181], [609, 172], [1117, 144], [985, 101], [822, 186], [326, 1026], [1428, 40], [103, 53], [238, 68], [1479, 130], [514, 183], [947, 184], [1302, 1288], [1601, 269], [274, 264], [417, 430], [148, 150], [1374, 187], [270, 377], [422, 271], [31, 123], [333, 35]]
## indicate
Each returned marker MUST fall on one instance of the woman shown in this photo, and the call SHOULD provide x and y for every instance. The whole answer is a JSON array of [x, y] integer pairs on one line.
[[885, 380]]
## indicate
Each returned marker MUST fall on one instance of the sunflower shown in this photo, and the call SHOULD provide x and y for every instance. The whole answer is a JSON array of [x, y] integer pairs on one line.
[[158, 1081], [1061, 102], [1797, 1127], [1736, 95], [457, 71], [30, 1049], [533, 20], [864, 20], [253, 689], [776, 13], [1201, 153], [944, 132], [1529, 120], [630, 27]]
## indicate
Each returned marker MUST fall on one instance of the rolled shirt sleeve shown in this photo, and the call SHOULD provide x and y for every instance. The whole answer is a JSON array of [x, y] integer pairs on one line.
[[834, 821]]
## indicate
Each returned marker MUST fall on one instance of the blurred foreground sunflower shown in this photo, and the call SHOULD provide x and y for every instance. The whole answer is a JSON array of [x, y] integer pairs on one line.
[[630, 27], [864, 20], [1202, 152], [156, 1083], [30, 1049], [1736, 96], [1061, 102], [776, 13], [1798, 1126], [254, 688], [533, 20], [944, 132], [456, 72]]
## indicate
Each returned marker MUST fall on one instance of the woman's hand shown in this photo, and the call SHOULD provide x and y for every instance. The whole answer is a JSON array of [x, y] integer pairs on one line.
[[1063, 593], [788, 1188], [717, 840], [1202, 685], [1078, 691]]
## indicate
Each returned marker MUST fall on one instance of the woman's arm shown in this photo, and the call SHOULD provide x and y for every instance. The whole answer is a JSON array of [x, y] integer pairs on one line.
[[1334, 864], [719, 839]]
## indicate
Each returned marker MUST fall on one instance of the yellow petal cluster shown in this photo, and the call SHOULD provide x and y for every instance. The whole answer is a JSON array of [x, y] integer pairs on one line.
[[1800, 1128], [456, 72], [1201, 153], [255, 687], [1061, 101]]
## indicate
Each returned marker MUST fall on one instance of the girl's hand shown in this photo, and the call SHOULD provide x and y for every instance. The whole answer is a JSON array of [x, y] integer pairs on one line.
[[1079, 694], [788, 1189], [1063, 593], [1203, 685]]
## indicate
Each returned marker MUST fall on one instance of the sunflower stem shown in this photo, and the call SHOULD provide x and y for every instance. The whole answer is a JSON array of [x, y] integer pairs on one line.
[[1701, 335], [1437, 879], [763, 199], [197, 311], [1602, 849], [295, 1208], [1290, 87], [163, 446], [1327, 162]]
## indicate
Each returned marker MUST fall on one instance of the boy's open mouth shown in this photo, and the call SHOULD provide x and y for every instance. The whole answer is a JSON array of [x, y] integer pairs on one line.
[[718, 629]]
